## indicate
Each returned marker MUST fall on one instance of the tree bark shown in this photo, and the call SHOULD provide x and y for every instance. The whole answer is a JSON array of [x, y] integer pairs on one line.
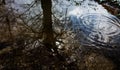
[[47, 24], [48, 33]]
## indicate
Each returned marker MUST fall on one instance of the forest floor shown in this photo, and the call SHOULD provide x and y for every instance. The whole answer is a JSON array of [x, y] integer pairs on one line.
[[41, 59]]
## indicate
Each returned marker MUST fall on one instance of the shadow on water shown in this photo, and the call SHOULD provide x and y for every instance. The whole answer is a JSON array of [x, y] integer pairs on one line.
[[114, 56]]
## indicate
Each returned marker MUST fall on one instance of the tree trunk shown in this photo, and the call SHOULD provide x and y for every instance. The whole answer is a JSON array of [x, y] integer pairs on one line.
[[47, 24], [48, 33]]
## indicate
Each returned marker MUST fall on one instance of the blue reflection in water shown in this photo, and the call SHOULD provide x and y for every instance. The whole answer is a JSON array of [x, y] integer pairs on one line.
[[97, 29]]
